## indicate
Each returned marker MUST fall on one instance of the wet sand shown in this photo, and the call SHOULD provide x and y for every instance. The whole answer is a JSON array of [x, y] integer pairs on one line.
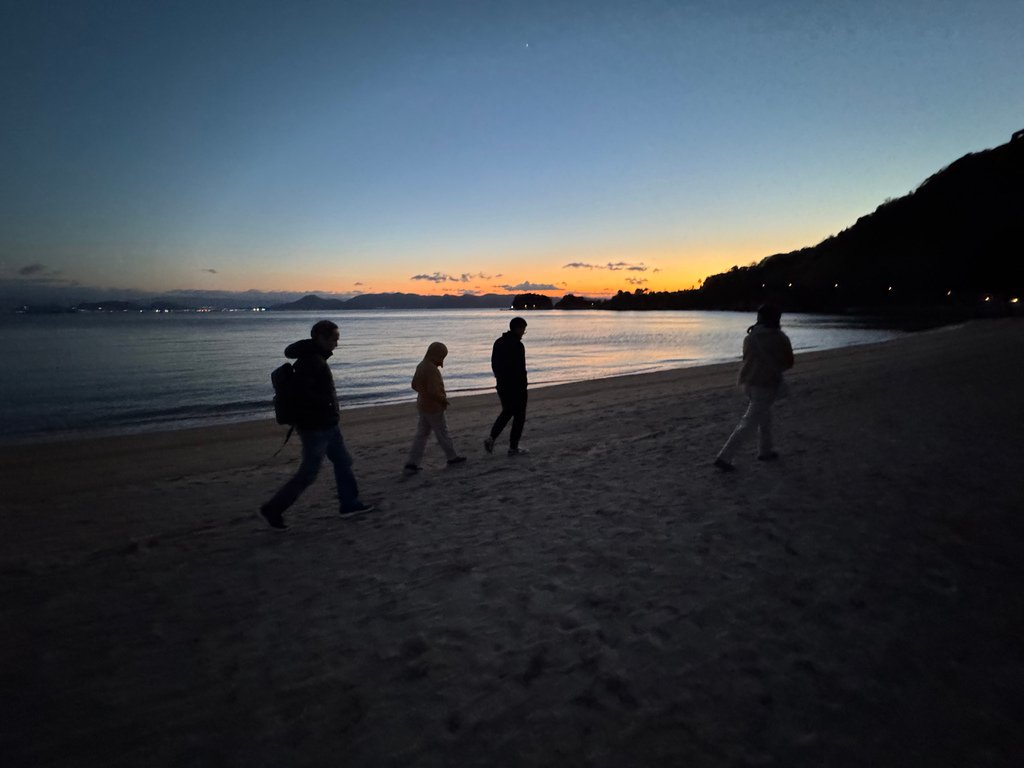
[[608, 600]]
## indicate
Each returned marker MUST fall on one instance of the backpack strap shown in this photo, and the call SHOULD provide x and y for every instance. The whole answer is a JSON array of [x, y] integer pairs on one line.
[[286, 437]]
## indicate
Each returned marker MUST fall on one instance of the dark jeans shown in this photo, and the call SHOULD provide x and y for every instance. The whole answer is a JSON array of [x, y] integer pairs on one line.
[[513, 406], [317, 443]]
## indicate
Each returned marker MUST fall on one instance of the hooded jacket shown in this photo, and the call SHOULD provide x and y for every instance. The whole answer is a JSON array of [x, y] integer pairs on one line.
[[767, 352], [317, 394], [428, 382], [508, 361]]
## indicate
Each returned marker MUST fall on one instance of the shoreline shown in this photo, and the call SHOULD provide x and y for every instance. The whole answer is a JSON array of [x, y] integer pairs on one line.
[[86, 434], [28, 459], [40, 414], [610, 599]]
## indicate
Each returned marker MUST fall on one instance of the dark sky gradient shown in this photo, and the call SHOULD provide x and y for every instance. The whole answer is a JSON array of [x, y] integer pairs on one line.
[[315, 144]]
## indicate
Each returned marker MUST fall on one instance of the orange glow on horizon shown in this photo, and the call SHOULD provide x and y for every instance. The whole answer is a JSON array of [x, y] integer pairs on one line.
[[597, 275], [591, 272]]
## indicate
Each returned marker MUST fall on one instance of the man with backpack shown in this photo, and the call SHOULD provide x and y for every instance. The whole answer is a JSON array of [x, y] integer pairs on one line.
[[312, 405]]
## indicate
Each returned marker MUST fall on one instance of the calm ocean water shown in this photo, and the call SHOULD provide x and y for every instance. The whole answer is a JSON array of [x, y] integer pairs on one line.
[[115, 373]]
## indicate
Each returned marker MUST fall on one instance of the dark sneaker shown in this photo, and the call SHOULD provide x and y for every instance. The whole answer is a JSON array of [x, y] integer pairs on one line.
[[411, 469], [724, 465], [770, 456], [274, 519], [456, 460], [517, 451], [358, 508], [489, 445]]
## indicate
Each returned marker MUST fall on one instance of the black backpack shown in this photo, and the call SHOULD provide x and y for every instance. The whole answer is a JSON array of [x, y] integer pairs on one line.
[[286, 396]]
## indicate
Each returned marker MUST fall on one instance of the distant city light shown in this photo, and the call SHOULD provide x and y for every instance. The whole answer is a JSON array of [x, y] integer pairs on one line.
[[890, 287], [1014, 300], [988, 298], [949, 293]]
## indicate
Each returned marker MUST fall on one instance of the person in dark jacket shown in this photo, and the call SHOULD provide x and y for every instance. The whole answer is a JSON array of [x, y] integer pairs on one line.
[[508, 361], [317, 426]]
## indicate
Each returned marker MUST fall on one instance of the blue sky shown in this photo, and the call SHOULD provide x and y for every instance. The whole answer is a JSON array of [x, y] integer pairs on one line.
[[353, 146]]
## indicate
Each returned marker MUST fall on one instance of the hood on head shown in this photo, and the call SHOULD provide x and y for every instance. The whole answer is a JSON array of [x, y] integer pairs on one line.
[[436, 353], [304, 348], [769, 315]]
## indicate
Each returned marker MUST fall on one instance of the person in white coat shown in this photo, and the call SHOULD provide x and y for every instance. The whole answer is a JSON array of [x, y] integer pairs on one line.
[[767, 352]]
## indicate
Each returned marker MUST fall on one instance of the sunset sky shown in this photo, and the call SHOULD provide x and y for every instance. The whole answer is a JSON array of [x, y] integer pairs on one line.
[[474, 146]]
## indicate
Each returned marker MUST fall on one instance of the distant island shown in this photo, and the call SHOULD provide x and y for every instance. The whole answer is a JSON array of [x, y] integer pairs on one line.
[[397, 301]]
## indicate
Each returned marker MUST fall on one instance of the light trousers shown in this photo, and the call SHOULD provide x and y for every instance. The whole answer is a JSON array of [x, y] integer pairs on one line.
[[438, 424], [757, 418]]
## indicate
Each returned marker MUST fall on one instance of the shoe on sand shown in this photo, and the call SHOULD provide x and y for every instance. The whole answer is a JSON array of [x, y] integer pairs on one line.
[[358, 508], [456, 460], [724, 465], [770, 456], [489, 444], [517, 451], [274, 519], [411, 469]]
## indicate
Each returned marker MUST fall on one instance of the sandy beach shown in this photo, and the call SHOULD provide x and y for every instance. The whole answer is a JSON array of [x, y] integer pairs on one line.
[[609, 600]]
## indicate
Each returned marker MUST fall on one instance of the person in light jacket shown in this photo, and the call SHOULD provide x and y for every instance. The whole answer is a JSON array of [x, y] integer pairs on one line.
[[767, 352], [431, 403]]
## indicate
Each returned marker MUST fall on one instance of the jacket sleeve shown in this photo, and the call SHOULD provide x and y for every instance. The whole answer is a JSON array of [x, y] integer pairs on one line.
[[496, 361]]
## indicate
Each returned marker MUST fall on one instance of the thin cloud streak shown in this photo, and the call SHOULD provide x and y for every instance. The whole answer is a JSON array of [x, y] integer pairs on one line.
[[40, 274], [613, 266], [444, 277], [528, 286]]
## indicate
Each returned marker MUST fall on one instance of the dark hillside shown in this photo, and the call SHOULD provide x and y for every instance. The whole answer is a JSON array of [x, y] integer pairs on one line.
[[957, 238]]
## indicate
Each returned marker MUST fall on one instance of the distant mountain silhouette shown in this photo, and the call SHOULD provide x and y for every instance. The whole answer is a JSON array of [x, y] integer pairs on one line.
[[416, 301], [397, 301], [309, 303]]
